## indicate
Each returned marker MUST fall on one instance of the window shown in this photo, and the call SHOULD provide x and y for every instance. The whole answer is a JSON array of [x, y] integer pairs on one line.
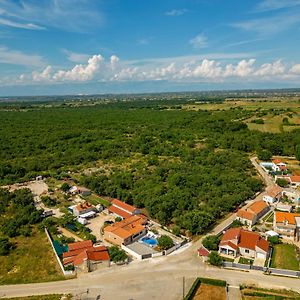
[[246, 251]]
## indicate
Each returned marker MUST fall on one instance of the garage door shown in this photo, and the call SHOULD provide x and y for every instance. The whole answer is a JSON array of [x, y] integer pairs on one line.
[[260, 255]]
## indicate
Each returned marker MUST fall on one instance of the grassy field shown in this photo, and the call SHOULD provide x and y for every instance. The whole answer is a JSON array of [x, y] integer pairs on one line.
[[210, 292], [246, 104], [284, 256], [94, 199], [254, 293], [31, 261], [43, 297]]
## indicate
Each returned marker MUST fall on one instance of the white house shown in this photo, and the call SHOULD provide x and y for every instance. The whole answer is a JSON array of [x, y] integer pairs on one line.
[[273, 194], [237, 241]]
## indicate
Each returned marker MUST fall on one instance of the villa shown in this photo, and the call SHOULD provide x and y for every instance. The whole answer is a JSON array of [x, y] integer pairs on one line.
[[126, 231], [253, 213], [86, 257], [287, 225], [237, 241]]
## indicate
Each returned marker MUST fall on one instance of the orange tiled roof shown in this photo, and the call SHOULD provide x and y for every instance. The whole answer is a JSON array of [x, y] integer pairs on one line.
[[118, 211], [257, 207], [245, 214], [246, 239], [276, 161], [84, 206], [95, 253], [123, 205], [282, 217], [80, 245], [127, 227], [295, 178], [231, 234]]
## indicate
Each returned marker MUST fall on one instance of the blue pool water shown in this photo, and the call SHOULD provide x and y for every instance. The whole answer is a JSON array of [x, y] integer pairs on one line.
[[150, 241]]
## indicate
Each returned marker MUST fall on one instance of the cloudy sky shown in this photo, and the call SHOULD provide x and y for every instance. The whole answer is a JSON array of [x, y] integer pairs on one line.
[[114, 46]]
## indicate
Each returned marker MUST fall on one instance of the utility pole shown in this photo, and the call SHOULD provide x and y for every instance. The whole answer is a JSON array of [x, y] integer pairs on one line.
[[183, 287]]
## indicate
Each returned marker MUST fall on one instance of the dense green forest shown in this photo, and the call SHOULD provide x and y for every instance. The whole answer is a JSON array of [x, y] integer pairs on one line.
[[184, 167]]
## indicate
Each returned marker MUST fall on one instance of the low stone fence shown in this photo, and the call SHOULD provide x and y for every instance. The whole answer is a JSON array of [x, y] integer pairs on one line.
[[66, 273], [267, 270]]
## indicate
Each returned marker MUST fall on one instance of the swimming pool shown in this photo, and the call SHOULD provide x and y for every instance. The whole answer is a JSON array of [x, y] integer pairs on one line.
[[152, 242]]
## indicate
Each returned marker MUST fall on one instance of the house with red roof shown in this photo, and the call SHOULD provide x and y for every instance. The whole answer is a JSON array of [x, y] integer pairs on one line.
[[86, 257], [126, 231], [253, 213], [294, 180], [84, 210], [122, 209], [238, 241]]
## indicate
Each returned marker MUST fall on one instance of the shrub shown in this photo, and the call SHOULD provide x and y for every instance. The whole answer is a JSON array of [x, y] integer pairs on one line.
[[211, 242], [282, 182], [215, 259], [165, 242], [5, 246], [117, 255]]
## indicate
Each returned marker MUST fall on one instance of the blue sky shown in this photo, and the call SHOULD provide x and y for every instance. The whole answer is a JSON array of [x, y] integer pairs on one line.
[[115, 46]]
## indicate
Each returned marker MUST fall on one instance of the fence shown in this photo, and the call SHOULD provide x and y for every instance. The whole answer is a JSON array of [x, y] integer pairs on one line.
[[66, 273], [274, 271]]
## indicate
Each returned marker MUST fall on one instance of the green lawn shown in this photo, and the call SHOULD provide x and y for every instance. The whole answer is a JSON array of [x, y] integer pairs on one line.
[[31, 261], [93, 199], [269, 217], [284, 256], [245, 261]]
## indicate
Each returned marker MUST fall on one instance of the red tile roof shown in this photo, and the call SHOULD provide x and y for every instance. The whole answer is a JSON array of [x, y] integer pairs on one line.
[[295, 178], [231, 234], [244, 214], [277, 161], [258, 206], [127, 227], [203, 251], [282, 217], [119, 212], [80, 245], [123, 205], [84, 206], [76, 257], [263, 244], [246, 239]]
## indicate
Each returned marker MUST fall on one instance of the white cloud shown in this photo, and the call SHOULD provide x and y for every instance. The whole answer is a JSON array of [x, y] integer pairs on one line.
[[199, 41], [268, 5], [269, 25], [76, 57], [45, 75], [15, 57], [29, 26], [295, 69], [81, 72], [114, 61], [192, 69], [176, 12], [271, 69], [69, 15]]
